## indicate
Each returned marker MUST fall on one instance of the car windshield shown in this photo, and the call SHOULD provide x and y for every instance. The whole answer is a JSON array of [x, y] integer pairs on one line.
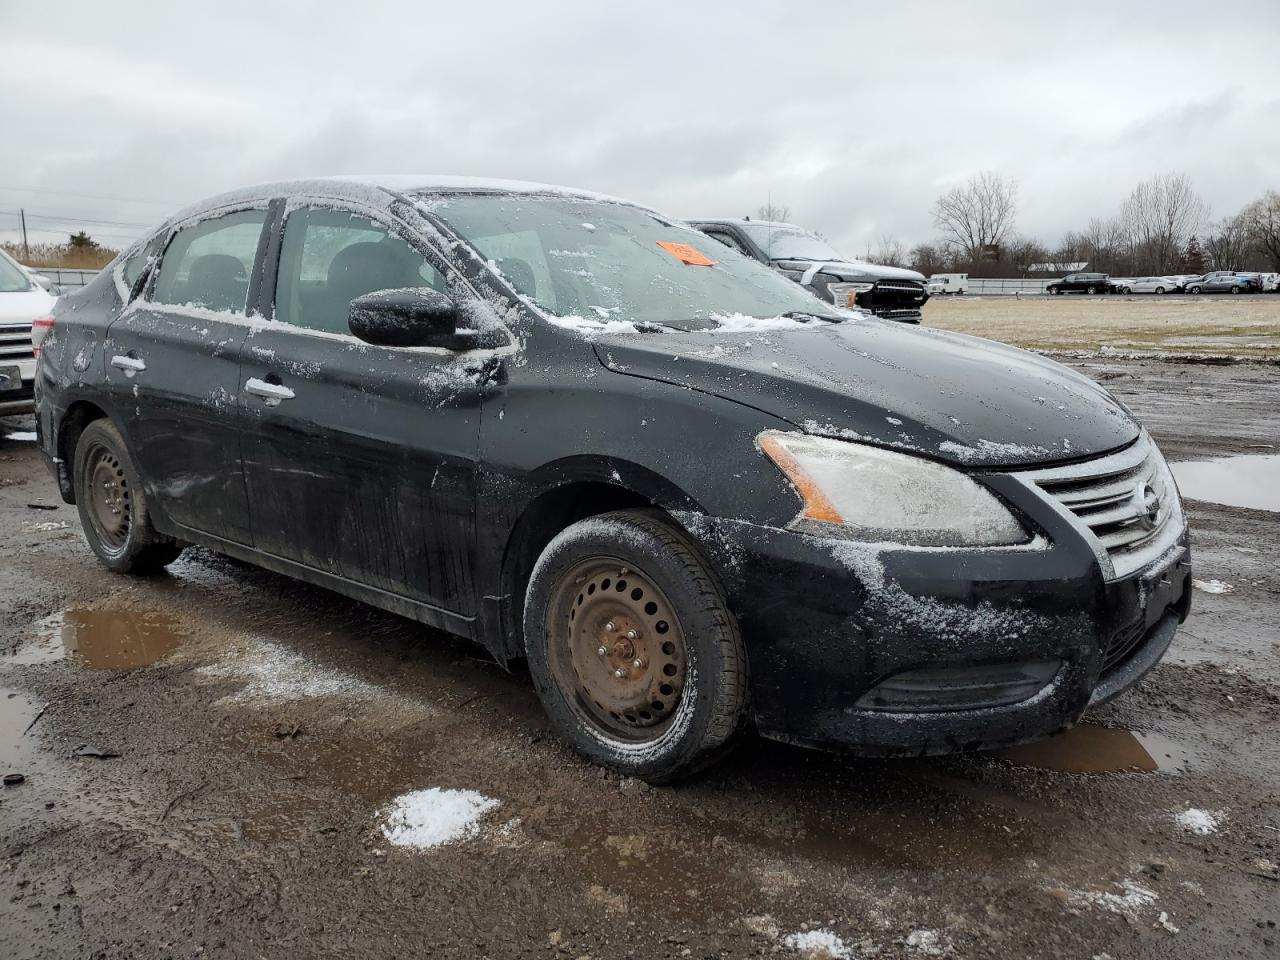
[[12, 280], [603, 261], [781, 241]]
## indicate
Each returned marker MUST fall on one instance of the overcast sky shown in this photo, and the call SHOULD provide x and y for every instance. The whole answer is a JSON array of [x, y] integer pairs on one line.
[[855, 116]]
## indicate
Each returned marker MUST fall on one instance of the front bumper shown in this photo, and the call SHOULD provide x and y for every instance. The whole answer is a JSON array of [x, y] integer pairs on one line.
[[826, 623]]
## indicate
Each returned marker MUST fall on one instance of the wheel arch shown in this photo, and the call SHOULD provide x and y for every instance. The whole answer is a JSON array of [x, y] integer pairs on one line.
[[572, 490], [72, 424]]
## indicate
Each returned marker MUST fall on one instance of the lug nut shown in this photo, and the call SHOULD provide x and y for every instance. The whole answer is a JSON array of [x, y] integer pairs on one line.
[[602, 650], [631, 634], [638, 664], [620, 673], [611, 626]]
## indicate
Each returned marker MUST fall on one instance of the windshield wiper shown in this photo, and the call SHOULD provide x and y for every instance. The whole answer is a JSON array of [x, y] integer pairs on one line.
[[799, 314]]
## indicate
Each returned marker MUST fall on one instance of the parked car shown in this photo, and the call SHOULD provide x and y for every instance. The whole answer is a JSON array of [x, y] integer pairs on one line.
[[893, 293], [1080, 283], [1222, 281], [691, 495], [22, 300], [1119, 284], [1271, 283], [953, 283], [1160, 285]]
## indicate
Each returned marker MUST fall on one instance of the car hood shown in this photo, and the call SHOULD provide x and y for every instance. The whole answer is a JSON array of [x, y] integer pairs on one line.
[[26, 306], [955, 398], [852, 269]]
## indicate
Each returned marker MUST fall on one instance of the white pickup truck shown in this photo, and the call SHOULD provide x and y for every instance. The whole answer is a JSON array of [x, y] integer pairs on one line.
[[22, 300]]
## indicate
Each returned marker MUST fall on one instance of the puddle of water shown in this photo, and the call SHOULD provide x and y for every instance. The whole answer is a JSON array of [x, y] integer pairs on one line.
[[1251, 481], [17, 748], [1090, 748], [110, 639]]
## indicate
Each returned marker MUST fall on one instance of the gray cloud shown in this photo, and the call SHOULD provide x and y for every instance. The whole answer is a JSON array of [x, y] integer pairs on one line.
[[856, 117]]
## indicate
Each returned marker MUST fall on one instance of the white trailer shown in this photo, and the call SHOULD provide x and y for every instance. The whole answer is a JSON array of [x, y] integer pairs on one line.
[[948, 283]]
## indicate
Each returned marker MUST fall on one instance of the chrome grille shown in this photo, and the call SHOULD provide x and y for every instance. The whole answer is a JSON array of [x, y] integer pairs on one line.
[[1126, 501], [904, 287], [15, 342]]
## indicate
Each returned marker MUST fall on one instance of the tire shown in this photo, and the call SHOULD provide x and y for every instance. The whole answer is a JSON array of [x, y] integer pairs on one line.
[[1194, 290], [1235, 290], [1055, 290], [651, 680], [113, 507], [1160, 291], [1091, 291]]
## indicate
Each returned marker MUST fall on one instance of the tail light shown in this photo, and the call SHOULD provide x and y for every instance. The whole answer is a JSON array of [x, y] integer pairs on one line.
[[40, 329]]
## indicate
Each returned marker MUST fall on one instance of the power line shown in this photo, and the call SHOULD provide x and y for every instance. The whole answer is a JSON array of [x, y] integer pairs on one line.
[[90, 196], [58, 219]]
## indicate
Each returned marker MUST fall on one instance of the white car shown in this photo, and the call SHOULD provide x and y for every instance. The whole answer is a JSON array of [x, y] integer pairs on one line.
[[1153, 285], [22, 300]]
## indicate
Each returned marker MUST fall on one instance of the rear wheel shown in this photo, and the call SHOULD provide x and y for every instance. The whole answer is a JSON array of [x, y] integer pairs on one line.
[[1235, 289], [113, 506], [1159, 289], [1092, 290], [634, 653]]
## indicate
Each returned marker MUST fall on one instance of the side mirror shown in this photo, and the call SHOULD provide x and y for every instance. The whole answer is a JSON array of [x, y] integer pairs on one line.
[[409, 317]]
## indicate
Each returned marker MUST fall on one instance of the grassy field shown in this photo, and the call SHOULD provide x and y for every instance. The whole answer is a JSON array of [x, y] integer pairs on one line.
[[1247, 326]]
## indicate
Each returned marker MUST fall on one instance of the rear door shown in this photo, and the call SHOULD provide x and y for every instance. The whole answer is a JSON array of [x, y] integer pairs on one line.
[[173, 372], [359, 460]]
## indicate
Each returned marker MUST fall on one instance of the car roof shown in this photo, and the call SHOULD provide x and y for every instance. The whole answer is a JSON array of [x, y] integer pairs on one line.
[[379, 190]]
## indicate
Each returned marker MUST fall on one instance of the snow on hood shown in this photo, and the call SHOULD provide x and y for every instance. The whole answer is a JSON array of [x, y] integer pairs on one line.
[[955, 398], [26, 306], [855, 269]]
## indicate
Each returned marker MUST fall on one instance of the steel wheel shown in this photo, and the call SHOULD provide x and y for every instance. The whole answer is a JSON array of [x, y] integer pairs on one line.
[[110, 501], [618, 649]]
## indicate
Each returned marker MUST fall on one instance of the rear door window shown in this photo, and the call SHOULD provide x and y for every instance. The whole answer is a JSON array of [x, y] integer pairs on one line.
[[209, 263], [330, 257]]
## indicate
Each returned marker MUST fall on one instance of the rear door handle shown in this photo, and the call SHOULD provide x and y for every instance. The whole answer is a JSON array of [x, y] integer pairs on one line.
[[130, 365], [271, 393]]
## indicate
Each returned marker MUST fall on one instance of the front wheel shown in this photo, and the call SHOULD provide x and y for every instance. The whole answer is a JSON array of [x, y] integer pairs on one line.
[[632, 647], [1194, 290], [1092, 290], [1055, 290], [1159, 290], [113, 506]]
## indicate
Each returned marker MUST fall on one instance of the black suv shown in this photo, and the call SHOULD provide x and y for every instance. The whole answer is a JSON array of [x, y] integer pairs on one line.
[[1081, 283], [893, 293], [688, 493]]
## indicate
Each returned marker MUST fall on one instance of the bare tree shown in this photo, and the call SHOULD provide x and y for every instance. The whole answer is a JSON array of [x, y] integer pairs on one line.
[[930, 258], [891, 252], [1262, 219], [976, 216], [1229, 243], [1160, 216], [777, 212]]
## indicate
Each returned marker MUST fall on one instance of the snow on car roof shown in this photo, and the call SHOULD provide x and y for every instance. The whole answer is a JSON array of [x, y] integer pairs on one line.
[[379, 190]]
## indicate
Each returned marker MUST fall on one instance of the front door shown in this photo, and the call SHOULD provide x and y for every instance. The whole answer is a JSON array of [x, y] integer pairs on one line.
[[359, 460], [173, 373]]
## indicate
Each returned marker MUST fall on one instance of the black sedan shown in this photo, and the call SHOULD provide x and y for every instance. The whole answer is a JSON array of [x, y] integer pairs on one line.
[[689, 494]]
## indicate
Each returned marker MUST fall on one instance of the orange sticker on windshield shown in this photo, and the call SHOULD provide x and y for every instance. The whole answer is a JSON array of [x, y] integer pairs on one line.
[[686, 254]]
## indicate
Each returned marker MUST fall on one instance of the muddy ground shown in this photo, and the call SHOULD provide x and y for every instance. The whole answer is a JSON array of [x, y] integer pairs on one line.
[[262, 725]]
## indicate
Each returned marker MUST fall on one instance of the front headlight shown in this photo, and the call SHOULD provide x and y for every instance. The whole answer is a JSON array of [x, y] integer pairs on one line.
[[865, 493], [846, 294]]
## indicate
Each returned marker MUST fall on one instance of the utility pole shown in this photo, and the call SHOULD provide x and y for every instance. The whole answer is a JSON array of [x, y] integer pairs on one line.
[[26, 250]]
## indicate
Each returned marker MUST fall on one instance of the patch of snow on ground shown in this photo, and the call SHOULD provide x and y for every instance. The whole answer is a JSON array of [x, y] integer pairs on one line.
[[46, 526], [1128, 903], [928, 942], [26, 435], [819, 945], [431, 817], [274, 672], [1200, 822], [1212, 586]]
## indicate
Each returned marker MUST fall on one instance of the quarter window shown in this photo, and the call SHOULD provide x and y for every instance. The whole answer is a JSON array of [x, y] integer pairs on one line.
[[330, 257], [208, 264]]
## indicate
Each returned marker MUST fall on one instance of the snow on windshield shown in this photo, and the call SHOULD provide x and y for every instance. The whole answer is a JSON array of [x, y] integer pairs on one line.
[[596, 264], [785, 242]]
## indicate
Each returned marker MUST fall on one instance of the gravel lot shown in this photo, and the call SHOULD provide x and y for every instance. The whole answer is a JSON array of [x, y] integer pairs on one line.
[[1246, 326], [264, 727]]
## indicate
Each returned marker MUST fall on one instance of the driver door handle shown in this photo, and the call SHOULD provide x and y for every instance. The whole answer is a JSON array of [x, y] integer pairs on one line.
[[271, 393], [130, 365]]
